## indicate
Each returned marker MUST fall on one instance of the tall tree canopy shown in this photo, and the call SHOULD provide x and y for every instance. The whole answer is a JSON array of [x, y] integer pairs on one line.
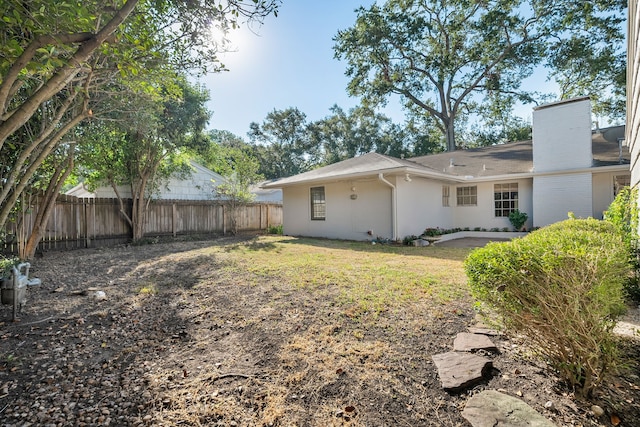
[[62, 62], [286, 144], [456, 57], [140, 149], [282, 142], [345, 134]]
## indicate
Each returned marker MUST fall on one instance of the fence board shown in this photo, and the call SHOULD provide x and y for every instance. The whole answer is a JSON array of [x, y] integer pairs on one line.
[[96, 222]]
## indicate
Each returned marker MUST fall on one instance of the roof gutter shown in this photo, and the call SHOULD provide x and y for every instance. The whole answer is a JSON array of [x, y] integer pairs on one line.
[[394, 207]]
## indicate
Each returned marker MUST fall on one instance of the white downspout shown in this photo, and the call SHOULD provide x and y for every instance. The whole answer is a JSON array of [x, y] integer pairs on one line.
[[394, 208]]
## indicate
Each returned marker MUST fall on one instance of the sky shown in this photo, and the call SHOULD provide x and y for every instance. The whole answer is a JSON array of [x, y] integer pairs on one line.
[[286, 62]]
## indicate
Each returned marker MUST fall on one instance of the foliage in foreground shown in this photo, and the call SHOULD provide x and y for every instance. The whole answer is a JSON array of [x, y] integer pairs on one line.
[[561, 287], [623, 214]]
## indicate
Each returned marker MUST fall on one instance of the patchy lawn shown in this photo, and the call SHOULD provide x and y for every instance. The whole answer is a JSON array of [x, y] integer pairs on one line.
[[261, 331]]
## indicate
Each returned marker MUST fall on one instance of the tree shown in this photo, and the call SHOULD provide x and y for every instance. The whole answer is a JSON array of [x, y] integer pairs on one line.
[[144, 149], [498, 130], [240, 170], [214, 153], [60, 167], [442, 56], [361, 130], [282, 143], [234, 159], [55, 55]]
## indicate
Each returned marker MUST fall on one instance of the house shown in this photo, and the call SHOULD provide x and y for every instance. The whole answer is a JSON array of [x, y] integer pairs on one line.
[[266, 195], [567, 167], [197, 186]]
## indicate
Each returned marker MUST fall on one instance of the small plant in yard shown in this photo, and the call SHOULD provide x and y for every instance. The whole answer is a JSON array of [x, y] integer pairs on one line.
[[562, 287], [275, 229], [148, 289], [9, 361], [518, 219], [408, 240], [433, 232]]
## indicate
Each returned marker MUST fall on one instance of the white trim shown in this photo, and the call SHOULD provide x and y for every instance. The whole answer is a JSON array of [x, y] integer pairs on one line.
[[394, 207], [481, 235]]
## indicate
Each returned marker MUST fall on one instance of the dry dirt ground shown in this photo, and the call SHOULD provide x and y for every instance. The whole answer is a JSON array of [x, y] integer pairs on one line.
[[179, 341]]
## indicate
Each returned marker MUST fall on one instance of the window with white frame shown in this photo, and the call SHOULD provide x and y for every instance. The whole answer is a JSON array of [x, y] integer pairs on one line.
[[467, 196], [505, 197], [445, 195], [318, 204]]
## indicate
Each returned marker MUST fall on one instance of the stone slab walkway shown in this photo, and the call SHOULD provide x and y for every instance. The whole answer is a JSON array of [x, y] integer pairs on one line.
[[461, 369]]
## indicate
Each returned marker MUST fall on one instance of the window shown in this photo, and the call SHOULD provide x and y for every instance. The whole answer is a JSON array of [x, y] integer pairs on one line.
[[619, 182], [505, 197], [445, 195], [318, 204], [467, 196]]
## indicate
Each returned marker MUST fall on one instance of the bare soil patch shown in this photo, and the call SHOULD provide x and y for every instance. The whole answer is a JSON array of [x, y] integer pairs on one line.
[[190, 334]]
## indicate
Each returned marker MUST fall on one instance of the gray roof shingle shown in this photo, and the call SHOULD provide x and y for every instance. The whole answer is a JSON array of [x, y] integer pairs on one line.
[[496, 160]]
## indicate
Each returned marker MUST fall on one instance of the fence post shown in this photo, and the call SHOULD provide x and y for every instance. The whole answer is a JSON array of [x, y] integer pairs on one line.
[[224, 223], [174, 219]]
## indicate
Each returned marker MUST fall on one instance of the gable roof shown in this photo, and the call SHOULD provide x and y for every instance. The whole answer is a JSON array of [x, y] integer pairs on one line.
[[364, 165], [515, 158]]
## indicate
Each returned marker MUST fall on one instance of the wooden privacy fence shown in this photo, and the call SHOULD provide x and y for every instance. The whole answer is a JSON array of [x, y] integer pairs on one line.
[[94, 222]]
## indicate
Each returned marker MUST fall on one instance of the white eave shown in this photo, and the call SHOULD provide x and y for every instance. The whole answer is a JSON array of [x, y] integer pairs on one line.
[[414, 172]]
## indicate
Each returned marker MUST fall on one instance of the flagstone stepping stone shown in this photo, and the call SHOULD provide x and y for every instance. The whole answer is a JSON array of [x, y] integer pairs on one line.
[[491, 408], [473, 342], [483, 331], [458, 371]]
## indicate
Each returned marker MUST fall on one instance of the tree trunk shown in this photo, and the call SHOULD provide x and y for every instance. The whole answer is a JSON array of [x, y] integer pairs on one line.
[[450, 134], [138, 218], [48, 203], [16, 185], [140, 203]]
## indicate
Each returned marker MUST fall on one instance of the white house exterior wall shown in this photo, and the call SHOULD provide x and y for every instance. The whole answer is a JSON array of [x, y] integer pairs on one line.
[[562, 136], [420, 206], [603, 192], [198, 186], [346, 218], [554, 196], [483, 215]]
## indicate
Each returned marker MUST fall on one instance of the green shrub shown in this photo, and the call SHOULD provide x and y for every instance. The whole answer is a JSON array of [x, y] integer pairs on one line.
[[408, 240], [275, 229], [433, 231], [562, 287], [623, 214], [6, 266], [517, 219]]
